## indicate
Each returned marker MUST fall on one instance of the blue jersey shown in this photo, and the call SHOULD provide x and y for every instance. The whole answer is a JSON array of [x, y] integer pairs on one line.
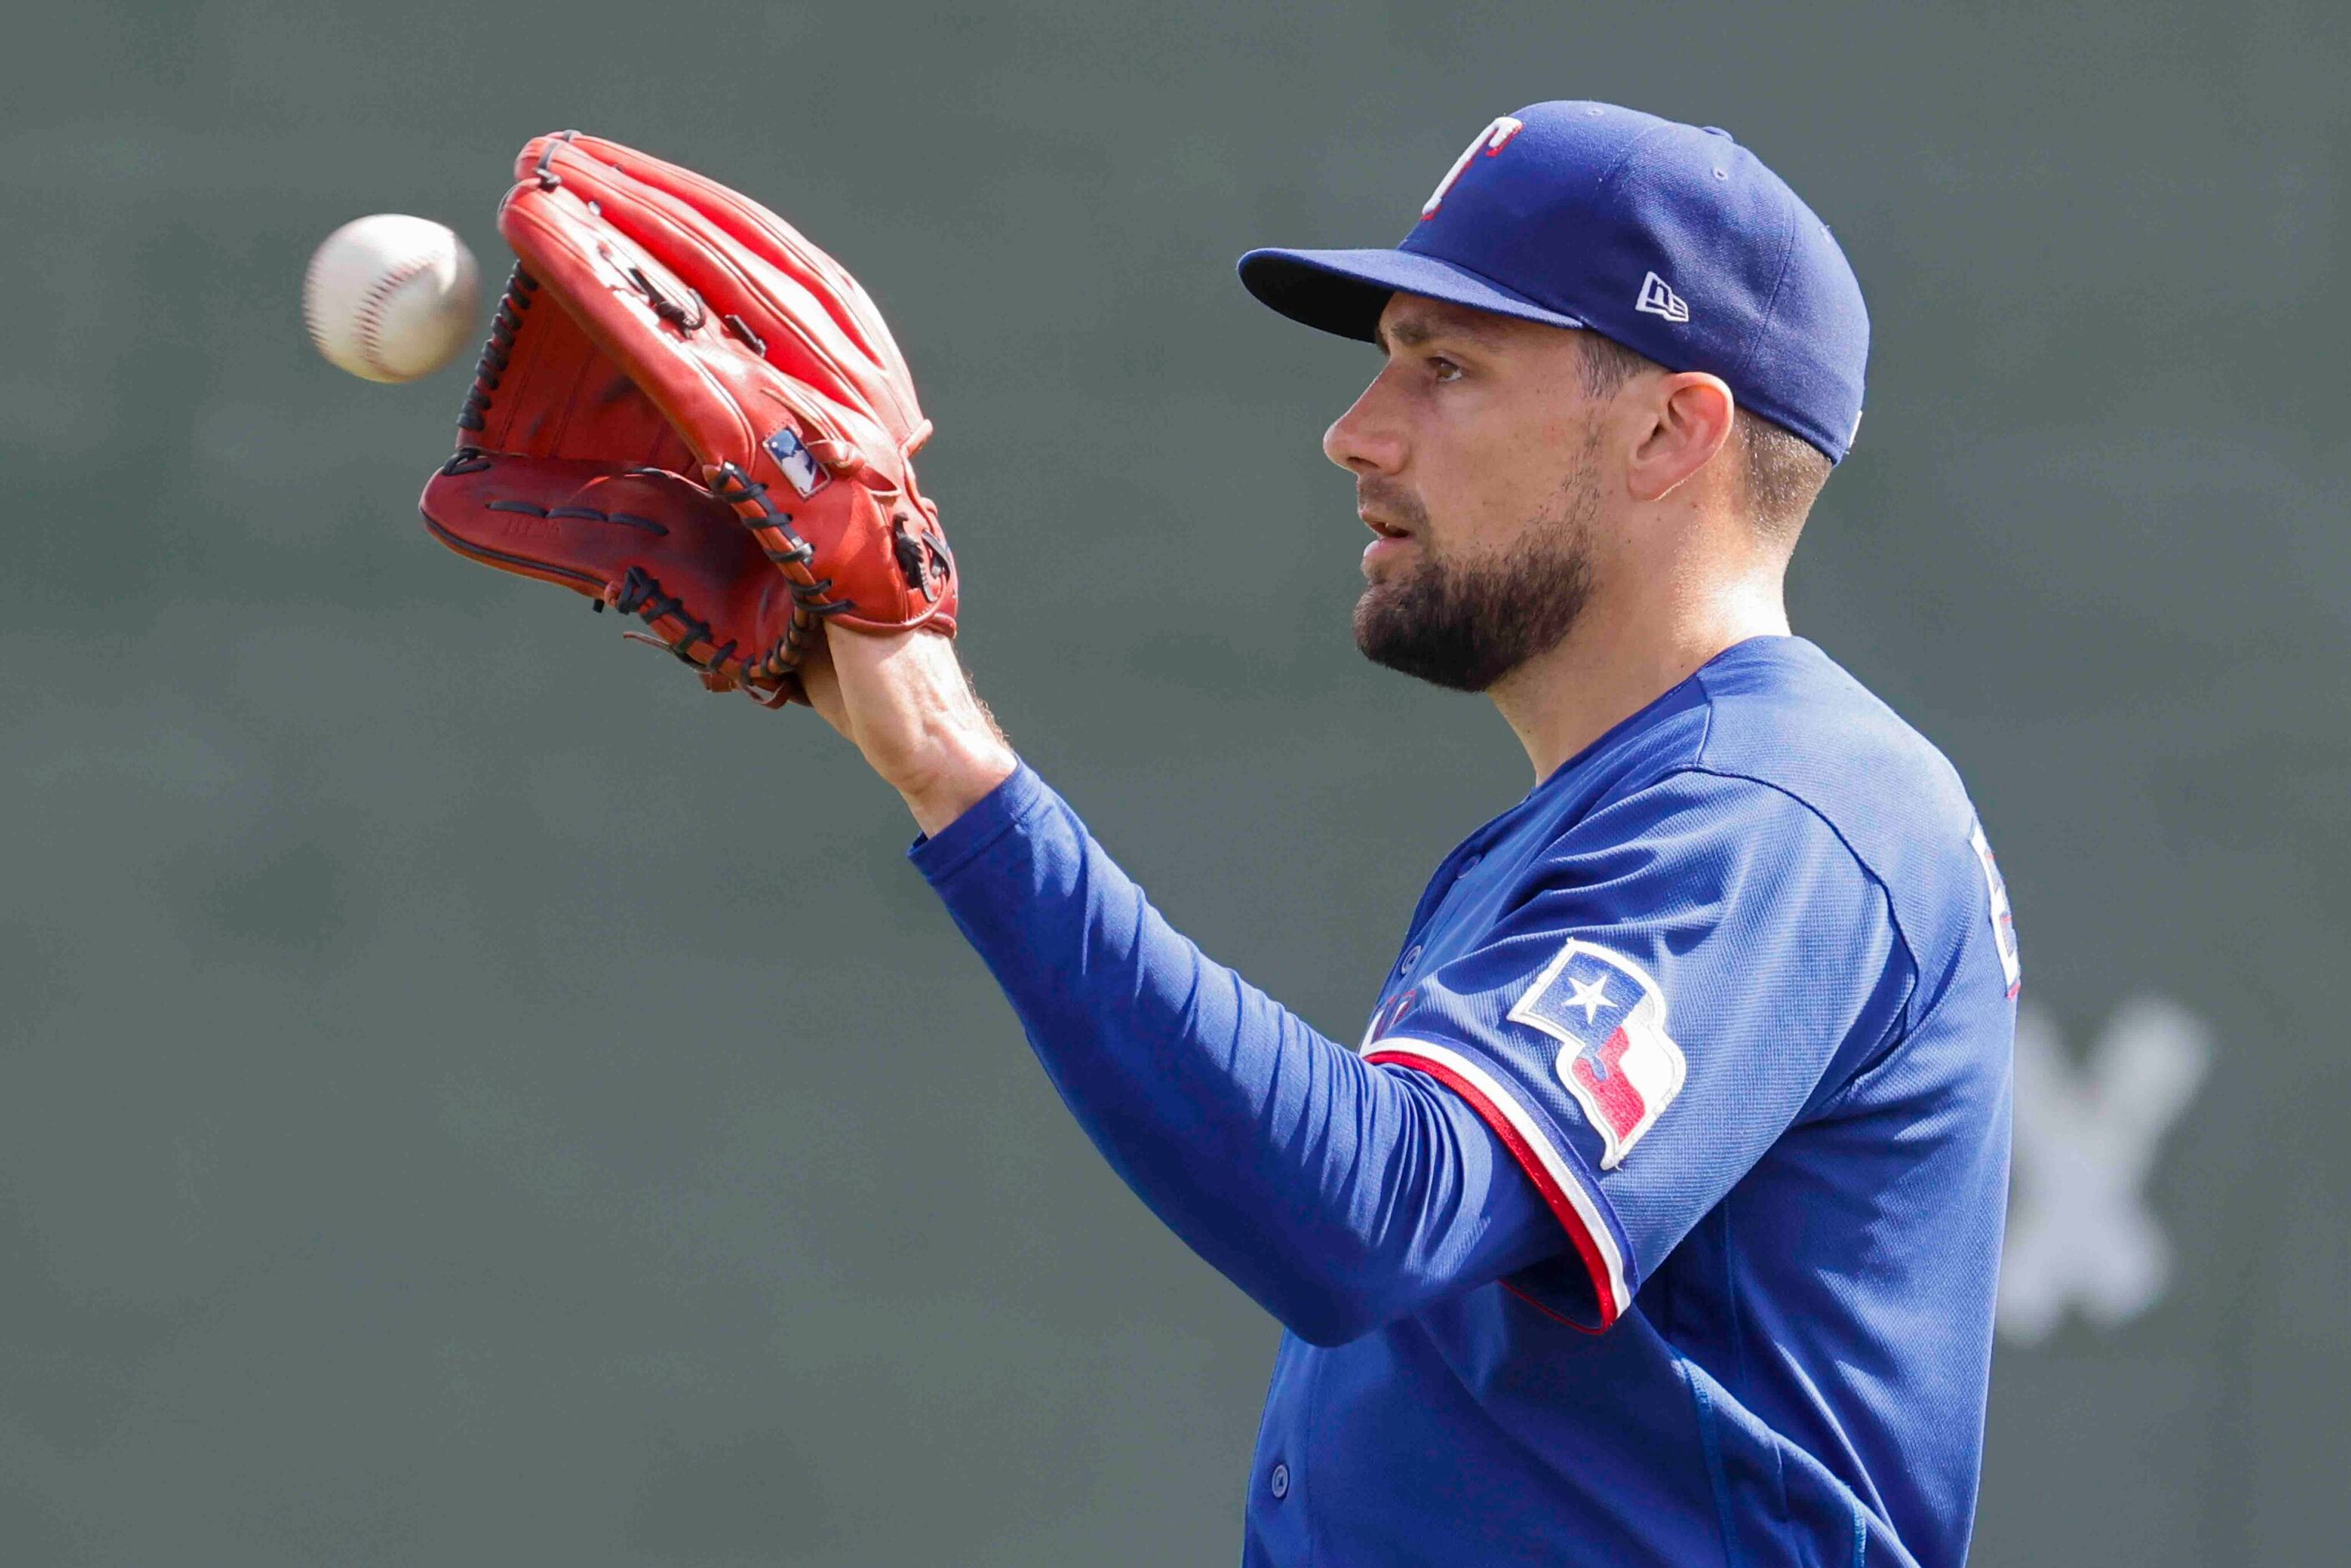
[[1657, 1219], [1736, 988]]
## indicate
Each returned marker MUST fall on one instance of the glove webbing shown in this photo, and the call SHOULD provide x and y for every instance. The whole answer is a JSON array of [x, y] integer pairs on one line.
[[504, 325]]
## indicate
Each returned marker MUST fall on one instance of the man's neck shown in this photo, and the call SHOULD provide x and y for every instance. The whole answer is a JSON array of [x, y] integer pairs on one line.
[[1619, 658]]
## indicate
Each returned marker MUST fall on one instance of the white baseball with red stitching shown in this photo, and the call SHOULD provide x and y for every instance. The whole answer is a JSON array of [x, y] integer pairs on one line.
[[390, 297]]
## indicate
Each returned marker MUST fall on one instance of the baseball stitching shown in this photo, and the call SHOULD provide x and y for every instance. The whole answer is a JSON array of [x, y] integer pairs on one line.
[[370, 316]]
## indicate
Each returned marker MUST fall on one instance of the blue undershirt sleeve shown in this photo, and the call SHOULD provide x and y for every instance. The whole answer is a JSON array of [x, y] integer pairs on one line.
[[1338, 1195]]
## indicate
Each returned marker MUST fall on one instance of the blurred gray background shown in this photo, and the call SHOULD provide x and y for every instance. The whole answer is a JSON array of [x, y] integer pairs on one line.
[[469, 1096]]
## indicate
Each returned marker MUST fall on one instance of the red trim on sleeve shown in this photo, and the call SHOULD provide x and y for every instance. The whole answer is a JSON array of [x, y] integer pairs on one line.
[[1554, 1313], [1529, 1162]]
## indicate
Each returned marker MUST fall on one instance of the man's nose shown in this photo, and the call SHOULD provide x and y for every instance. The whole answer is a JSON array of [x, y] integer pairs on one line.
[[1365, 439]]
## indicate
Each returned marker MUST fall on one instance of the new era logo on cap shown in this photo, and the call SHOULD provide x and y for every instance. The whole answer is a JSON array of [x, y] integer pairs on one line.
[[1658, 298]]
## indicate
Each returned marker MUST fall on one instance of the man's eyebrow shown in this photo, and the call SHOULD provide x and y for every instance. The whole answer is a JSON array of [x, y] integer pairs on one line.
[[1413, 332]]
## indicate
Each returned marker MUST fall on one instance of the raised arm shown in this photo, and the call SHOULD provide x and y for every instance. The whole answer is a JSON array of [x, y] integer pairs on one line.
[[1339, 1196]]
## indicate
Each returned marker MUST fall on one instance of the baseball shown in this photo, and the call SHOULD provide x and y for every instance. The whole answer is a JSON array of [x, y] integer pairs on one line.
[[390, 297]]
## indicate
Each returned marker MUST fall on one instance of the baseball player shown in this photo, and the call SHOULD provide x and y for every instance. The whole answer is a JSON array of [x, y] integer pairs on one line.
[[1656, 1218]]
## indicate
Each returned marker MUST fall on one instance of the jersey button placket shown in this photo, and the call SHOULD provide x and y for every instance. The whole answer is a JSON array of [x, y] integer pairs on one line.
[[1278, 1482]]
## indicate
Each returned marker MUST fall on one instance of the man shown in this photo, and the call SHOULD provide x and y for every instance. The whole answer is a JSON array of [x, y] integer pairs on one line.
[[1657, 1219]]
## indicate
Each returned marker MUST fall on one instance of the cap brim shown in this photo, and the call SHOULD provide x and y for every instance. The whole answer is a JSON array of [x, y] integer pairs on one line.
[[1343, 291]]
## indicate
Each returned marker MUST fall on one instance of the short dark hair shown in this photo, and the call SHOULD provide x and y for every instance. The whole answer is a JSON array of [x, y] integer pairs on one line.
[[1785, 470]]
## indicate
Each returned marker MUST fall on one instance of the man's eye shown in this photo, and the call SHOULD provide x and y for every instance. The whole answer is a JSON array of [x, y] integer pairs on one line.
[[1447, 370]]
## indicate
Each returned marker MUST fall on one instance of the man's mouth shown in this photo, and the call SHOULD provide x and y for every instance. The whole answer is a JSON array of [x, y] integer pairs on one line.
[[1393, 541]]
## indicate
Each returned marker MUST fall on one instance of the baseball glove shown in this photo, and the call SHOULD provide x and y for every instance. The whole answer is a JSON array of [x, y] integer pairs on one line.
[[688, 413]]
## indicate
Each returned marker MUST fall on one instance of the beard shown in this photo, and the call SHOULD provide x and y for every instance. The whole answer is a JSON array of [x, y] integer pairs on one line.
[[1465, 624]]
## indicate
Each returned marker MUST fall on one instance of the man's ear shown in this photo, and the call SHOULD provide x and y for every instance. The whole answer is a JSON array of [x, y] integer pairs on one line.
[[1689, 417]]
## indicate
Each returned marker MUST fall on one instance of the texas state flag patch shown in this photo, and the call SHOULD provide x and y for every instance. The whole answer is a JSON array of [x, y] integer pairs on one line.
[[1615, 1054]]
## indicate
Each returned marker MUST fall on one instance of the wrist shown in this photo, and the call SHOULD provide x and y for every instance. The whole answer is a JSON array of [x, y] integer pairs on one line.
[[960, 772]]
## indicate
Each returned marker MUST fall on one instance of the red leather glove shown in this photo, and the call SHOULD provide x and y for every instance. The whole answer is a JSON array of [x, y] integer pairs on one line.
[[687, 412]]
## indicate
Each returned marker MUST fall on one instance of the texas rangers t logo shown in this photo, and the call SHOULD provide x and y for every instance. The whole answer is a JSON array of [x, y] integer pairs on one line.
[[1615, 1055], [1490, 140]]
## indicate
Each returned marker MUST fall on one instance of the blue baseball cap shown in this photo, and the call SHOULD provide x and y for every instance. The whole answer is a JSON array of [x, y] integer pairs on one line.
[[1671, 239]]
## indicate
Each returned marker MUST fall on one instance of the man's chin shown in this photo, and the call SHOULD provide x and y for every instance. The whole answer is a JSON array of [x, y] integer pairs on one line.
[[1380, 594], [1385, 620], [1398, 634], [1465, 632]]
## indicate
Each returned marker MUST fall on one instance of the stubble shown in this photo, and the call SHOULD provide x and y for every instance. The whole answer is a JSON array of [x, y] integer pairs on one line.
[[1463, 623]]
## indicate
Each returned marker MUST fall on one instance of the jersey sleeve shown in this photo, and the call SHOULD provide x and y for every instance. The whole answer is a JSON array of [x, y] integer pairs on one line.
[[1340, 1194], [1666, 991]]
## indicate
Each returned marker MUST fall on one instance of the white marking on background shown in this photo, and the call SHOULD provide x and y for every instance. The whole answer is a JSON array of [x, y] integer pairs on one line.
[[2080, 1237]]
